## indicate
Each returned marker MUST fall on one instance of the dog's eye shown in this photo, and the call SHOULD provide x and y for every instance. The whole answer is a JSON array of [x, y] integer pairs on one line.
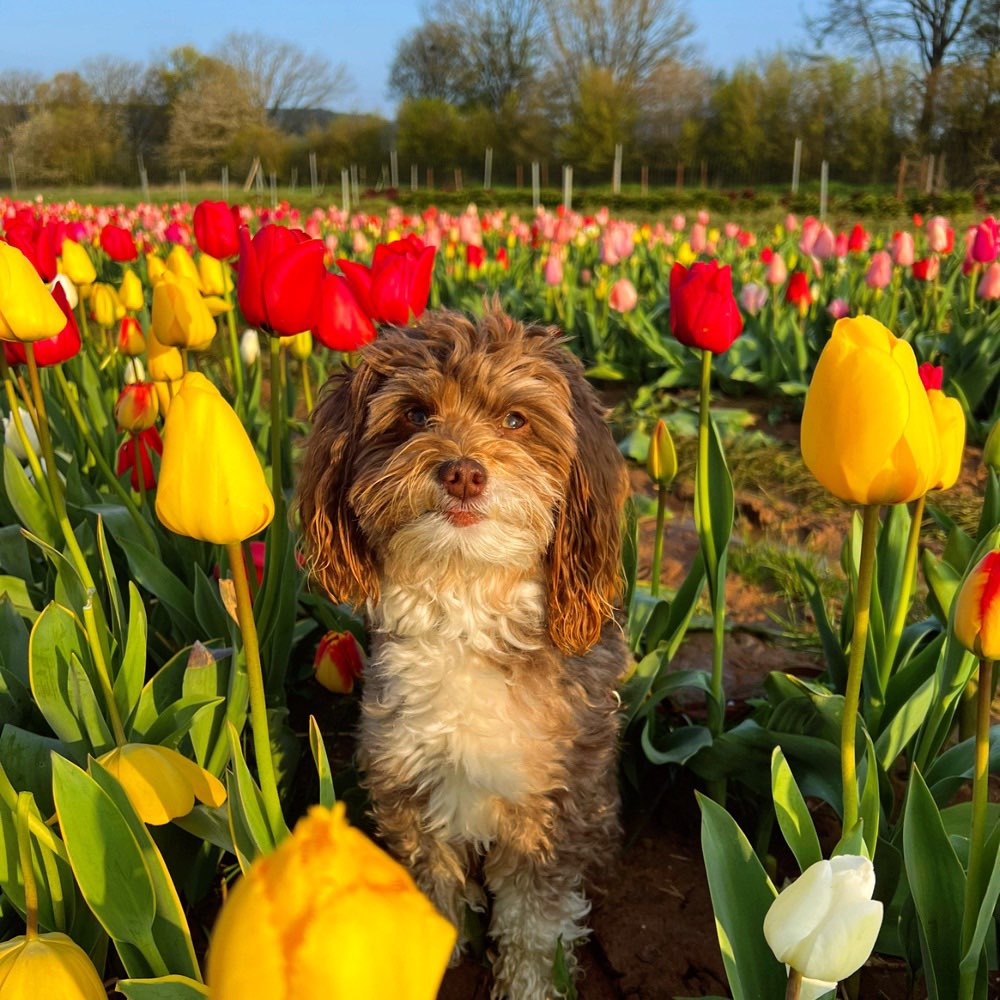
[[418, 416], [514, 421]]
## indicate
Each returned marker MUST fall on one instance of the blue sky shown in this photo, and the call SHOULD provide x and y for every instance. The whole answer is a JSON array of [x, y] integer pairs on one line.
[[51, 35]]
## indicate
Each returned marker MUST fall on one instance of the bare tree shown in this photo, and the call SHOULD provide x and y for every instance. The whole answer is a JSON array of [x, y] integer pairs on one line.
[[17, 92], [280, 76], [933, 27], [432, 63], [113, 81]]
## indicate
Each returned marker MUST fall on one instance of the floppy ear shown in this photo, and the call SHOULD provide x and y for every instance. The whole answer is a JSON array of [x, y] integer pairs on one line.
[[336, 551], [584, 559]]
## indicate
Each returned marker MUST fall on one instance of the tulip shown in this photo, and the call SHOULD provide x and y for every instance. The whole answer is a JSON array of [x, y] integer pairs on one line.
[[879, 272], [838, 308], [825, 924], [53, 350], [327, 914], [797, 293], [776, 272], [398, 283], [927, 269], [300, 345], [216, 229], [76, 264], [984, 242], [49, 965], [13, 440], [136, 408], [280, 279], [161, 783], [250, 347], [28, 311], [181, 265], [165, 363], [133, 371], [859, 239], [215, 277], [134, 455], [825, 245], [180, 317], [977, 609], [130, 338], [130, 292], [155, 268], [703, 312], [940, 236], [753, 298], [989, 284], [105, 307], [552, 270], [991, 450], [211, 484], [902, 249], [474, 255], [118, 244], [868, 434], [337, 664], [69, 289], [949, 418], [623, 297], [343, 324], [698, 238]]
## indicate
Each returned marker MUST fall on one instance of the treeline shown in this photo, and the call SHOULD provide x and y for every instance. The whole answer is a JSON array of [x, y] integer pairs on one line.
[[551, 82]]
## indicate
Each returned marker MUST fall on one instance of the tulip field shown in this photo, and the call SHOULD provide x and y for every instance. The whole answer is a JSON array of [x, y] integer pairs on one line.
[[811, 599]]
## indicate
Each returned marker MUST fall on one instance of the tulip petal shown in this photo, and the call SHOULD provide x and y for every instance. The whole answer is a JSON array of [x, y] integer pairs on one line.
[[292, 288], [206, 787], [27, 310], [842, 944], [798, 910]]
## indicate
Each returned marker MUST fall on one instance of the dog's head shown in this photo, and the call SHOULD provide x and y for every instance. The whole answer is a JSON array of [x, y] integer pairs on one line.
[[470, 445]]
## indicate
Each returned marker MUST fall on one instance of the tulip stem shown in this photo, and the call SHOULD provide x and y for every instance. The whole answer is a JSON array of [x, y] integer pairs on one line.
[[15, 413], [794, 986], [277, 422], [306, 387], [84, 325], [138, 449], [905, 590], [58, 500], [234, 343], [702, 485], [855, 666], [661, 515], [977, 833], [972, 288], [255, 676], [104, 678], [27, 871]]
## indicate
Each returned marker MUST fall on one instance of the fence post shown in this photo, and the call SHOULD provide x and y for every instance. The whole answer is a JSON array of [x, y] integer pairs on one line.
[[458, 178], [355, 191], [901, 178], [295, 178], [225, 182], [568, 188], [313, 179], [796, 164], [394, 168], [430, 178], [413, 177], [345, 191], [616, 173], [488, 169], [824, 177], [929, 188], [184, 185], [274, 191], [536, 193]]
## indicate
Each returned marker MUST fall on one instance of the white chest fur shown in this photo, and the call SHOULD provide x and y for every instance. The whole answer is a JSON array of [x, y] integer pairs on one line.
[[446, 715]]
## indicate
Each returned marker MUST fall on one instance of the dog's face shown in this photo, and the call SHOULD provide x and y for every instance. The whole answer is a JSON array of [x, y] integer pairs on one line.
[[476, 446]]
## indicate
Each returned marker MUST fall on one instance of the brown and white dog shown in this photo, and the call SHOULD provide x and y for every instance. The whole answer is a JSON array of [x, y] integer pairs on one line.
[[461, 484]]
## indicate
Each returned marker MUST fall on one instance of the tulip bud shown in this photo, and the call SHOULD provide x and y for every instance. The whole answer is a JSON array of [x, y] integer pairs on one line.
[[825, 924], [249, 347], [991, 450], [155, 268], [28, 312], [977, 609], [69, 290], [216, 278], [137, 407], [130, 291], [104, 305], [54, 962], [661, 461], [130, 338], [76, 264], [338, 662], [301, 345], [134, 371], [180, 317], [623, 297], [13, 440], [181, 265]]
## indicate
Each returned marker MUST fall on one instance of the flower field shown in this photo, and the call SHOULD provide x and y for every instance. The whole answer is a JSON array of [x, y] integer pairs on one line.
[[809, 414]]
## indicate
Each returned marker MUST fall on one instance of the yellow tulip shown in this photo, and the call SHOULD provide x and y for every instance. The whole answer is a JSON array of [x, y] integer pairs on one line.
[[163, 393], [868, 434], [211, 484], [181, 265], [180, 317], [76, 264], [130, 291], [104, 305], [685, 255], [155, 268], [164, 362], [27, 310], [161, 783], [300, 345], [216, 278], [215, 305], [328, 914], [50, 965], [661, 461], [977, 609], [949, 417]]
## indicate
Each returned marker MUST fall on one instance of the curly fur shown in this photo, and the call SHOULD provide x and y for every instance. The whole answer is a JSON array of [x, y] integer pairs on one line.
[[488, 737]]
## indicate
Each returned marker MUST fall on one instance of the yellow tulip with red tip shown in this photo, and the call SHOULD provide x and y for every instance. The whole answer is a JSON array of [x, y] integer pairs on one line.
[[47, 965], [161, 783], [338, 662], [327, 914], [977, 609], [211, 484], [180, 317], [949, 418], [137, 407], [27, 310], [868, 433]]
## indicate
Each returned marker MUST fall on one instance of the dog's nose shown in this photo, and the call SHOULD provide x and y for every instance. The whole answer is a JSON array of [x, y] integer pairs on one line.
[[462, 478]]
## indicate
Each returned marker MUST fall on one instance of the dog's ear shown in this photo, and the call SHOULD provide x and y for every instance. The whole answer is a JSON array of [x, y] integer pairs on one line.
[[584, 559], [336, 551]]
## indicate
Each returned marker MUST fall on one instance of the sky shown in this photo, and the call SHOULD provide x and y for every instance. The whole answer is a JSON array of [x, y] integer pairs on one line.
[[51, 35]]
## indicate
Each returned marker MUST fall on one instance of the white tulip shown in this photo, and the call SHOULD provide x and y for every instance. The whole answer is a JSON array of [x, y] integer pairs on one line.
[[824, 925], [134, 371], [13, 440], [72, 296], [249, 347]]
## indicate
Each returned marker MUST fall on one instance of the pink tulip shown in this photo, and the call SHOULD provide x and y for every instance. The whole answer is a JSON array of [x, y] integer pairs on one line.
[[984, 241], [776, 272], [753, 298], [989, 284], [732, 230], [703, 217], [791, 223], [840, 245], [553, 270], [940, 236], [623, 296], [879, 270], [838, 308], [810, 230], [699, 240], [825, 244], [902, 249], [678, 222]]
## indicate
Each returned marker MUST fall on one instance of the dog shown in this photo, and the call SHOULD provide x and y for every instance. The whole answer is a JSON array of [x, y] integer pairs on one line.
[[462, 485]]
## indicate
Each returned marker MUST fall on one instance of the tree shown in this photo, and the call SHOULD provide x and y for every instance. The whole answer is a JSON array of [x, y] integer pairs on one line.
[[280, 76], [17, 91], [935, 28], [432, 63]]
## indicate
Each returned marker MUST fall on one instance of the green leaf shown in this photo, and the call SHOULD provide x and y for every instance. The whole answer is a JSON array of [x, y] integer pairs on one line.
[[114, 593], [741, 896], [870, 805], [132, 669], [984, 915], [851, 842], [150, 573], [208, 824], [15, 700], [32, 511], [13, 641], [247, 820], [793, 814], [680, 745], [164, 988], [174, 723], [16, 590], [27, 760], [107, 862], [206, 678], [937, 884], [327, 796]]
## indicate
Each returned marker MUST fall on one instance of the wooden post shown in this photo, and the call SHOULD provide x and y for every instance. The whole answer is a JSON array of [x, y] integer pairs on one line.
[[394, 168], [252, 175], [458, 178], [940, 171], [295, 178], [274, 191], [545, 174], [345, 191], [568, 188], [355, 188], [225, 182], [13, 173], [930, 174], [430, 178], [616, 172], [796, 165], [488, 169], [536, 194], [644, 179], [313, 179], [901, 179], [184, 185], [413, 177], [824, 177]]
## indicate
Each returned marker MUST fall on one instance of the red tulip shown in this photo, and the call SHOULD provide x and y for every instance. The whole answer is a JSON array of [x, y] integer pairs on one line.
[[216, 229], [859, 239], [118, 243], [127, 459], [797, 293], [984, 242], [398, 282], [52, 350], [932, 376], [926, 269], [280, 279], [338, 662], [36, 242], [703, 311], [343, 324], [474, 255]]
